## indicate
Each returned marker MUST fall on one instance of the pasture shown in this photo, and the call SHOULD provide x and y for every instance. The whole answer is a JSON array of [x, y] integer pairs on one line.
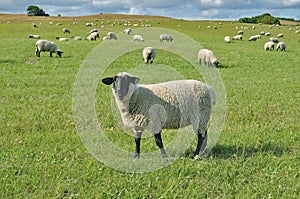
[[257, 154]]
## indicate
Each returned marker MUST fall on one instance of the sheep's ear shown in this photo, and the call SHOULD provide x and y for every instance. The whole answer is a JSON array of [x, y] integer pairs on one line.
[[134, 80], [108, 80]]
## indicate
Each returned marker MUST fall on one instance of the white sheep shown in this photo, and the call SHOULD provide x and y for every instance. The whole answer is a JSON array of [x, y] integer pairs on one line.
[[240, 32], [281, 45], [127, 31], [267, 34], [269, 45], [149, 54], [62, 39], [227, 39], [207, 57], [137, 38], [76, 38], [237, 37], [279, 35], [166, 37], [111, 35], [93, 36], [66, 30], [254, 37], [167, 105], [45, 45], [93, 30], [274, 39], [34, 36]]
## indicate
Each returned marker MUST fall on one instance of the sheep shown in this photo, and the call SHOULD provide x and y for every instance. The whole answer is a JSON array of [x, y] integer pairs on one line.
[[93, 36], [227, 39], [274, 39], [111, 35], [149, 54], [66, 30], [281, 45], [267, 34], [207, 57], [45, 45], [254, 38], [76, 38], [240, 32], [62, 39], [34, 25], [138, 38], [279, 35], [166, 37], [127, 31], [167, 105], [269, 45], [93, 30], [34, 36], [297, 31], [237, 37]]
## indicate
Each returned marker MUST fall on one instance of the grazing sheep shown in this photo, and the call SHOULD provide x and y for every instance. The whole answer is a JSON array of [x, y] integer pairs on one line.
[[127, 31], [88, 24], [59, 24], [297, 31], [269, 45], [167, 105], [267, 34], [237, 37], [208, 58], [166, 37], [262, 33], [93, 30], [34, 36], [66, 30], [93, 36], [149, 54], [281, 45], [274, 39], [254, 38], [106, 38], [45, 45], [279, 35], [62, 39], [111, 35], [76, 38], [138, 38], [34, 25], [240, 32], [227, 39]]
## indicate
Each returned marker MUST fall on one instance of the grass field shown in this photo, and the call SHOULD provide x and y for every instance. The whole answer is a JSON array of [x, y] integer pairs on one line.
[[42, 156]]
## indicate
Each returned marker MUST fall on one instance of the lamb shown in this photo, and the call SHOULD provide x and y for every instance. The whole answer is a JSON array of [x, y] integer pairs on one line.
[[138, 38], [208, 58], [281, 45], [166, 37], [167, 105], [62, 39], [149, 54], [269, 45], [227, 39], [45, 45], [34, 36], [237, 37], [66, 30]]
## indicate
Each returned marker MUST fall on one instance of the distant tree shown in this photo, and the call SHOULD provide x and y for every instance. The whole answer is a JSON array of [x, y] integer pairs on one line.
[[265, 18], [35, 11]]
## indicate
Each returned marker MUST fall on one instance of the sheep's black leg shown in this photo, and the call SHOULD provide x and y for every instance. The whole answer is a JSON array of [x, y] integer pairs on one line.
[[159, 143], [137, 138], [50, 54], [37, 52], [201, 145]]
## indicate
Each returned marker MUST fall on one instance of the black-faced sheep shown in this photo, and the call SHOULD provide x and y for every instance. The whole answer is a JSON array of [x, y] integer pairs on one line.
[[168, 105], [45, 45], [207, 57]]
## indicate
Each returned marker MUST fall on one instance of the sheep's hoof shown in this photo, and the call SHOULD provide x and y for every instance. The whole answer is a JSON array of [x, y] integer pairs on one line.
[[136, 155]]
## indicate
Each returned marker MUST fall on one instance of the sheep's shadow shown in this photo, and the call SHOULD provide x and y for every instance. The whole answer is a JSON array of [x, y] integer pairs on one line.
[[228, 152]]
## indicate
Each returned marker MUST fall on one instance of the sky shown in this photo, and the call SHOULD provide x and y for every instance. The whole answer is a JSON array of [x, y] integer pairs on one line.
[[190, 9]]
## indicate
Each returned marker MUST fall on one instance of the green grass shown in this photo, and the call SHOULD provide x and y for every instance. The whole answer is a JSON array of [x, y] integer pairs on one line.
[[42, 156]]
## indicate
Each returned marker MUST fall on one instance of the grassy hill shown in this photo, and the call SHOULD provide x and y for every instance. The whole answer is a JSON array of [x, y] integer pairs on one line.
[[43, 154]]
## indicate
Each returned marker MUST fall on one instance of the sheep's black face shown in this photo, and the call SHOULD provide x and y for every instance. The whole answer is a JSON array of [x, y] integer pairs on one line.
[[121, 84]]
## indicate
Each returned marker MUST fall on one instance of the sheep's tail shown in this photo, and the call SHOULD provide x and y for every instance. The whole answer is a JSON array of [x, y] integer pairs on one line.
[[213, 95]]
